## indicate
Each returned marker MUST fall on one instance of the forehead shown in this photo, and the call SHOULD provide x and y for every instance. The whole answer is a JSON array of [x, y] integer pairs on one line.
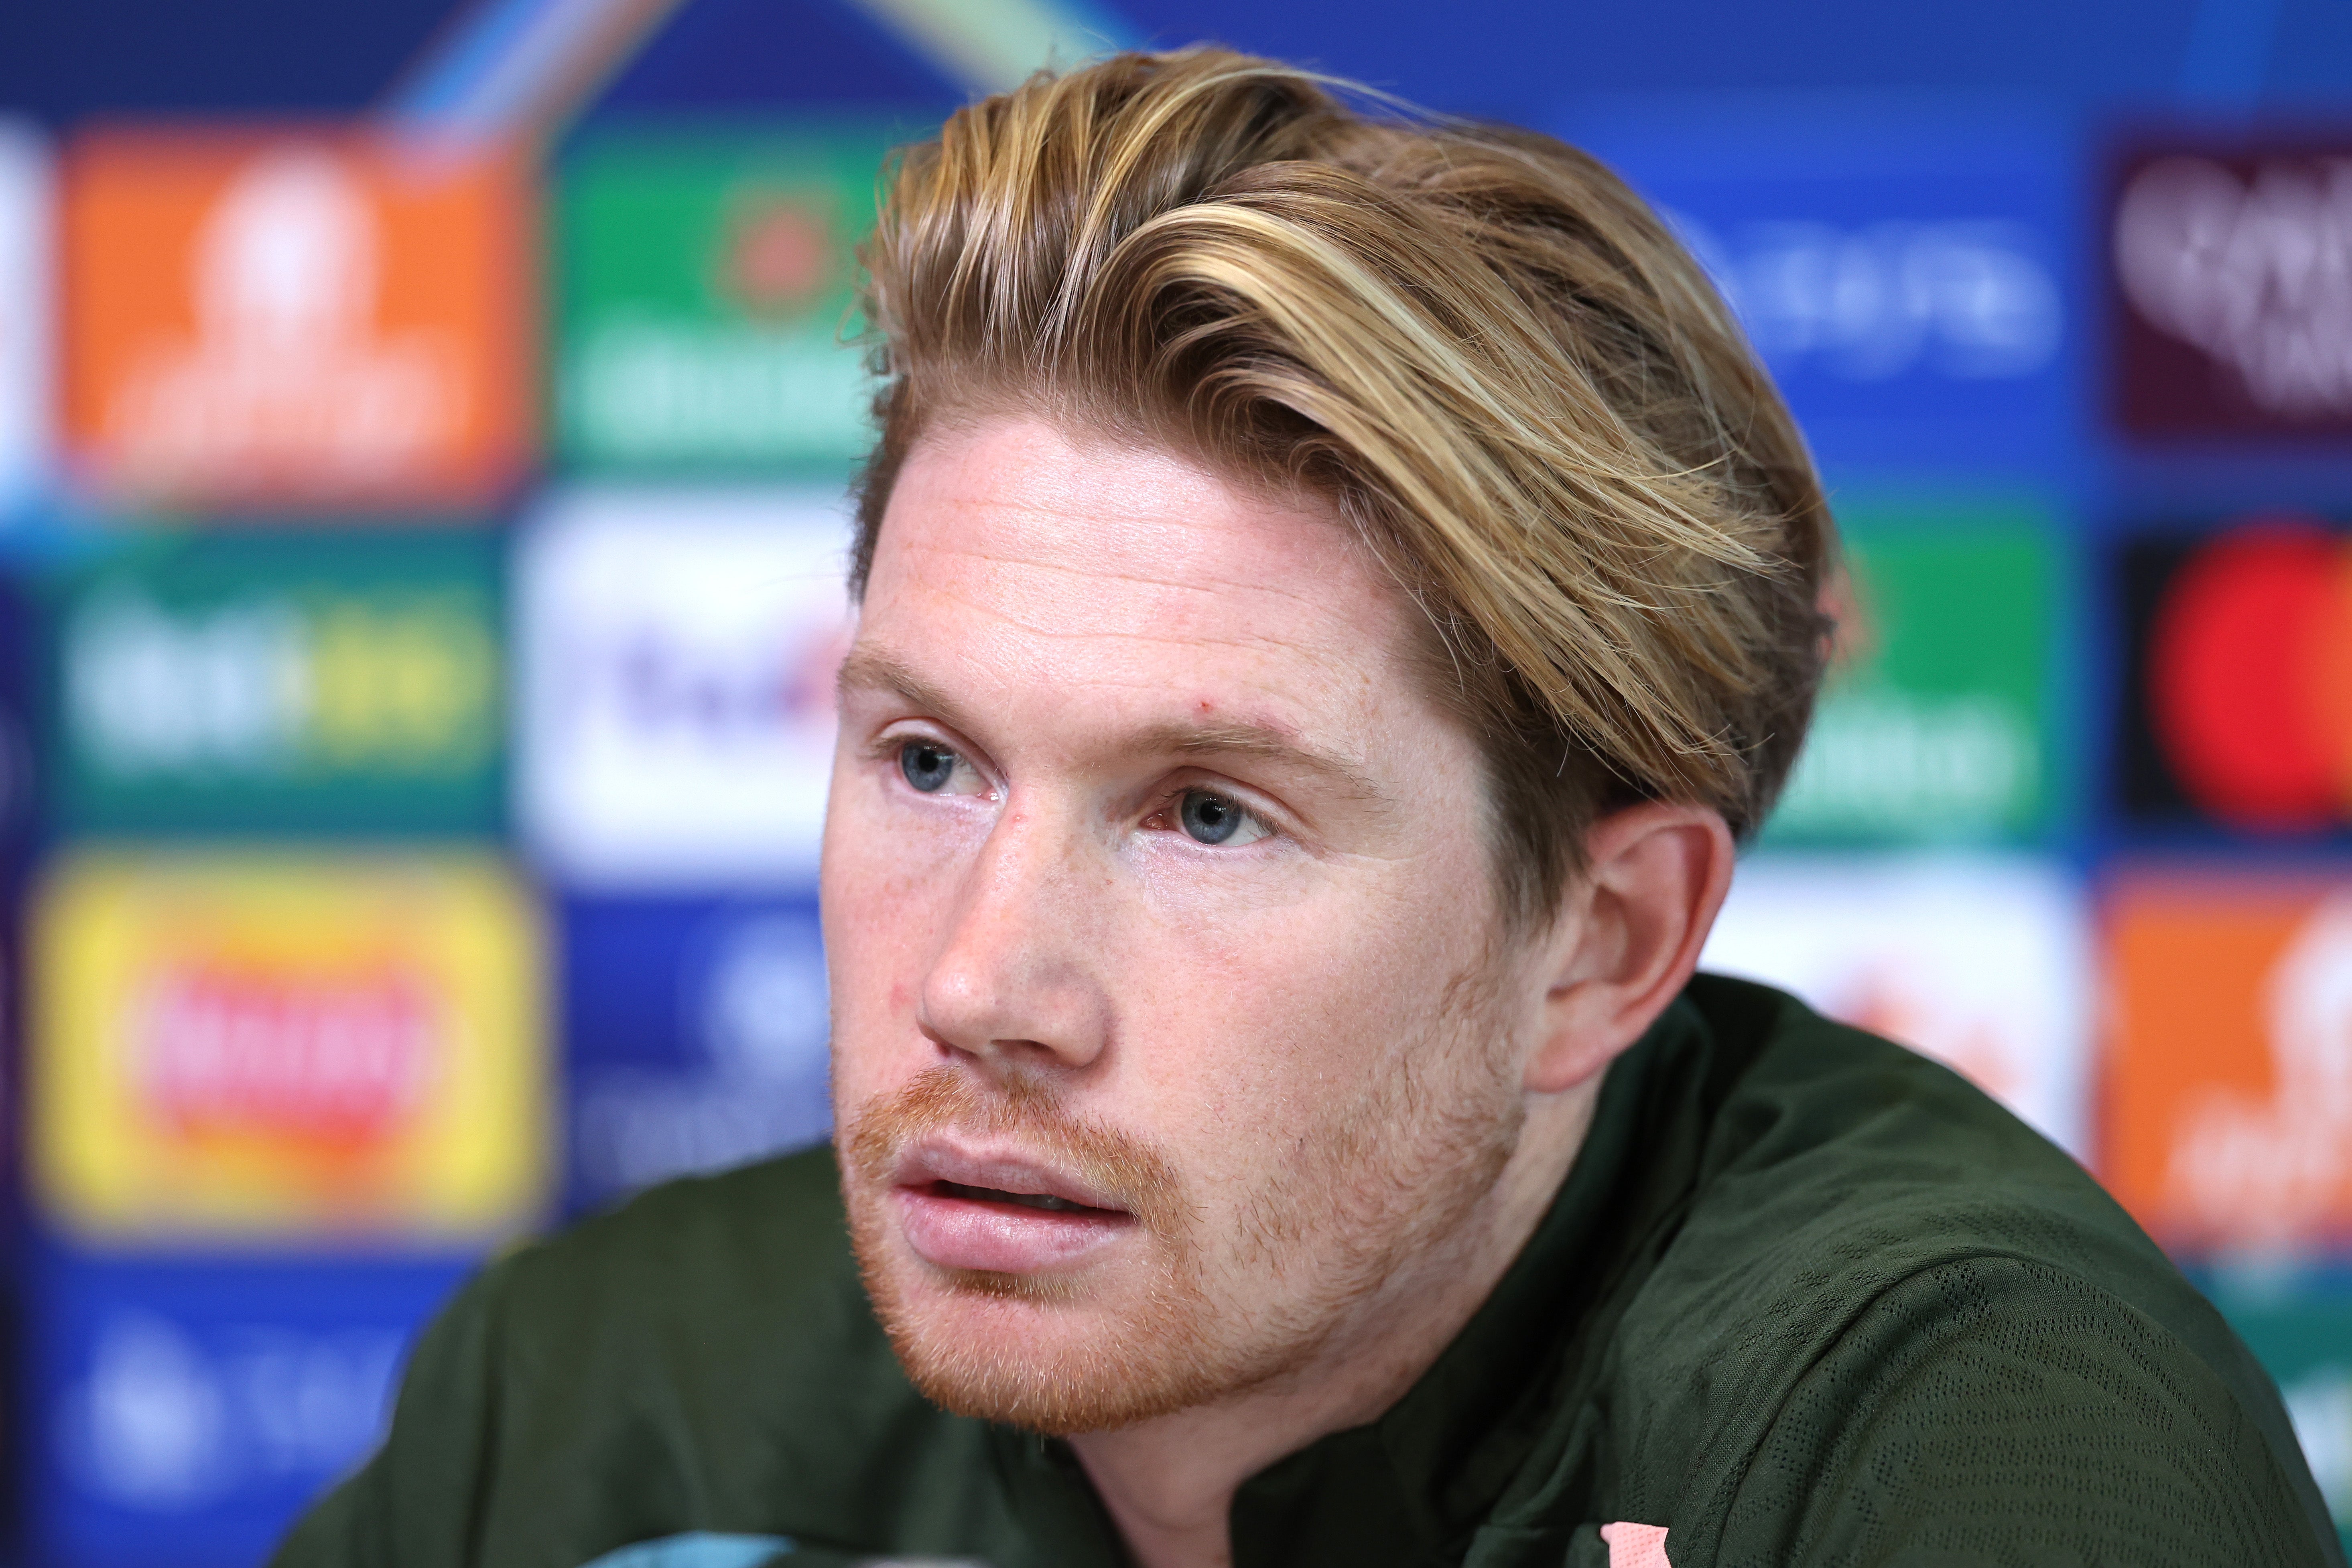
[[1053, 554]]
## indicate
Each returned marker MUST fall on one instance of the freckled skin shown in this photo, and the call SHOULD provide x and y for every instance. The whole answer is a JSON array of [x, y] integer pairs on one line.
[[1064, 605], [1078, 608]]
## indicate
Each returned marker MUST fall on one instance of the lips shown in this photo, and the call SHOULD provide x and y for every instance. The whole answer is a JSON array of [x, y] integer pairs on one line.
[[1047, 1200], [1000, 1212]]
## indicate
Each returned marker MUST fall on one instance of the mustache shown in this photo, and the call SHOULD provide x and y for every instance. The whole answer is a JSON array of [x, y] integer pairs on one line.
[[1134, 1174]]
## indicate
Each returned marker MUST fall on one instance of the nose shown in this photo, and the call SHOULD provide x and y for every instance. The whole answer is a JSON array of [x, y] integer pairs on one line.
[[1016, 983]]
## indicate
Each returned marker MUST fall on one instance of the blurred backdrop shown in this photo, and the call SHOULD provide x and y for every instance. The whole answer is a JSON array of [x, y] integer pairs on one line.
[[422, 435]]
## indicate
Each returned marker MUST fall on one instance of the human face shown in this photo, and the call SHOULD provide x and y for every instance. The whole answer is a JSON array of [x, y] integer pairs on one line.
[[1175, 1041]]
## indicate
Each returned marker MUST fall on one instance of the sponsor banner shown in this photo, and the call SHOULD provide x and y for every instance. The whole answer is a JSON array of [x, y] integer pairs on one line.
[[2237, 687], [697, 1034], [2227, 1094], [259, 1046], [1980, 962], [1936, 722], [2299, 1326], [2232, 295], [282, 682], [26, 374], [186, 1411], [677, 654], [706, 285], [280, 319], [1906, 272]]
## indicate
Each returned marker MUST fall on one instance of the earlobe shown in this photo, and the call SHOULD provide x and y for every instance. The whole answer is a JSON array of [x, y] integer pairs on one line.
[[1628, 935]]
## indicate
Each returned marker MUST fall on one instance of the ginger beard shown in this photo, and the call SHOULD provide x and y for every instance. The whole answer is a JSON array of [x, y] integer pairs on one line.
[[1378, 1191]]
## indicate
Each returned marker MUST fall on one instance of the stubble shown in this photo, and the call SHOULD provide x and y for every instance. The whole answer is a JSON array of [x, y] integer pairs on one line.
[[1387, 1182]]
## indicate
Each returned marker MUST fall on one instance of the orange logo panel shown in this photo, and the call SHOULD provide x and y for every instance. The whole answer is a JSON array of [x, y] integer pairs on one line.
[[2228, 1111], [294, 321]]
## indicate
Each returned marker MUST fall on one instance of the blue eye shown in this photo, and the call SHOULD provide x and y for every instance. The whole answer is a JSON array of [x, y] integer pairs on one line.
[[1210, 818], [928, 767]]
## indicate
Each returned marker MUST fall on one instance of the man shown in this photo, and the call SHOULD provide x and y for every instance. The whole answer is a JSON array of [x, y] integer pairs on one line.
[[1333, 591]]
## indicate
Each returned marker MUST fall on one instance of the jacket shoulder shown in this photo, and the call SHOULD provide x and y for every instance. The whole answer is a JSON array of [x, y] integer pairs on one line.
[[700, 1359], [1887, 1294], [707, 1349], [701, 1258]]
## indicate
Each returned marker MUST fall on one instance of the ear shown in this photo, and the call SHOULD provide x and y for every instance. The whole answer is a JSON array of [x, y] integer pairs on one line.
[[1628, 934]]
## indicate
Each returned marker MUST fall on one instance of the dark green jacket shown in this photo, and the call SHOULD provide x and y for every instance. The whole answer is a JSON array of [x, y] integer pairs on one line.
[[1804, 1299]]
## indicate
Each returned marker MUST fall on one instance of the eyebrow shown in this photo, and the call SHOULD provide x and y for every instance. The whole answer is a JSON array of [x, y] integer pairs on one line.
[[874, 670]]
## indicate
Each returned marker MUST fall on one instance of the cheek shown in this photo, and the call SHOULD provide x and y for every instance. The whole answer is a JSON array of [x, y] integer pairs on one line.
[[883, 895], [1309, 1014]]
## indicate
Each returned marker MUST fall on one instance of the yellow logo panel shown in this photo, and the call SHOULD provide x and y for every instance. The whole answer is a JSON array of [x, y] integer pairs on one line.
[[260, 1045]]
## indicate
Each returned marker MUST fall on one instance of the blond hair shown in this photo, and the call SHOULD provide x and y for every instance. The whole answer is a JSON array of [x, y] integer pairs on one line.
[[1487, 349]]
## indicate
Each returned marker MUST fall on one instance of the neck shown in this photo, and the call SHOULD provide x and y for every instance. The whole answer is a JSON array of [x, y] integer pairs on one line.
[[1169, 1483]]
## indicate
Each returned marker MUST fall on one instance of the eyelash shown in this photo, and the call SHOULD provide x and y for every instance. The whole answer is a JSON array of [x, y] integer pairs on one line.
[[891, 746], [1172, 803]]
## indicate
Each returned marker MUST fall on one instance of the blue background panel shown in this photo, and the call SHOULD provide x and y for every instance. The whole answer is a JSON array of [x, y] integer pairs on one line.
[[1907, 267], [185, 1410], [697, 1033]]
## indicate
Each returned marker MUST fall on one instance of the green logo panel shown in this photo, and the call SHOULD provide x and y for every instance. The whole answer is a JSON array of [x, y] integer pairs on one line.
[[1936, 722], [327, 682], [2301, 1330], [705, 284]]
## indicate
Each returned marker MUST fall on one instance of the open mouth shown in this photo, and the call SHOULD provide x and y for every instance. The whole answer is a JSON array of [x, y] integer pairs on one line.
[[1005, 1215], [1045, 1201]]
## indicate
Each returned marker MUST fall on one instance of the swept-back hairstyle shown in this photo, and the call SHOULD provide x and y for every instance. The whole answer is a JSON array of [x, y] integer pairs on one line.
[[1476, 341]]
